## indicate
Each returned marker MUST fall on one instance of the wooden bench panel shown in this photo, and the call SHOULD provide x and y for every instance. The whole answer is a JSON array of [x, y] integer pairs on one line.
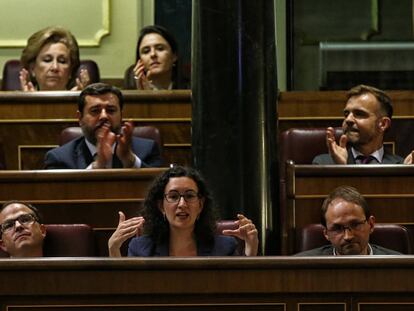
[[30, 123], [388, 190], [81, 196], [224, 284]]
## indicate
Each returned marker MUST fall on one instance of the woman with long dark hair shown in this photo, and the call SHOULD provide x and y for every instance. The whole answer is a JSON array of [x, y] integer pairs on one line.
[[180, 220]]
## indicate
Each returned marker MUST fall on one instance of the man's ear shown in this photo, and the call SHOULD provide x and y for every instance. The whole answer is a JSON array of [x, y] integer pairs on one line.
[[371, 223], [384, 123], [43, 230], [325, 234], [79, 116], [2, 246]]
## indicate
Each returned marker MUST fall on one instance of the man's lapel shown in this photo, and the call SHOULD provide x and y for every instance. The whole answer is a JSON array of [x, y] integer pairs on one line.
[[83, 155]]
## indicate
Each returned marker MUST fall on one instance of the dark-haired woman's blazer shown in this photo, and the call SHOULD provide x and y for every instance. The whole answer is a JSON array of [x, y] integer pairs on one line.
[[144, 246]]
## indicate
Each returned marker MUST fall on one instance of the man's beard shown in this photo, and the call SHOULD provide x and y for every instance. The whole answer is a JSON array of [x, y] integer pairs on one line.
[[351, 249], [90, 133], [353, 136]]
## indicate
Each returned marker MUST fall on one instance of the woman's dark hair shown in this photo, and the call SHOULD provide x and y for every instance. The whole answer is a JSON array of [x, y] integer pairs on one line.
[[157, 227], [163, 32]]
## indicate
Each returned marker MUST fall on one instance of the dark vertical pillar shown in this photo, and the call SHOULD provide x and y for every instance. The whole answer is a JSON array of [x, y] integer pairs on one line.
[[234, 130], [175, 15]]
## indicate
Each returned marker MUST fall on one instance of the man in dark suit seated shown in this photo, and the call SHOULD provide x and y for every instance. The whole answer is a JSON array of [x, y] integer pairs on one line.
[[22, 233], [367, 116], [348, 224], [106, 143]]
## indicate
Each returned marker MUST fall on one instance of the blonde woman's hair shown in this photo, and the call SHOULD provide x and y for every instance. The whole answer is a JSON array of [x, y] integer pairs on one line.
[[53, 34]]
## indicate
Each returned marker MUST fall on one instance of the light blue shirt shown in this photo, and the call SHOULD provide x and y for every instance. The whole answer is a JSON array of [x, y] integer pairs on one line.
[[377, 156]]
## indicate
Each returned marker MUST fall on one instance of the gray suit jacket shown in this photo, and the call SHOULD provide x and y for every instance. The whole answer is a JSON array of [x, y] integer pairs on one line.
[[327, 250], [326, 159]]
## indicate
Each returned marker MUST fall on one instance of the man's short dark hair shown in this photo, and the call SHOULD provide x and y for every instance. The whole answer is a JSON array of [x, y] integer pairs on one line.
[[348, 194], [381, 96], [96, 89], [28, 205]]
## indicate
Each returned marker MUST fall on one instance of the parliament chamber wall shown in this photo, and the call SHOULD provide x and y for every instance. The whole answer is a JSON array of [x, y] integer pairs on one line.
[[30, 123]]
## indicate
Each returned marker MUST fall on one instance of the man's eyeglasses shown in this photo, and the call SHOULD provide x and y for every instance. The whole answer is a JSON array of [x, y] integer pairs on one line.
[[353, 226], [190, 196], [24, 220]]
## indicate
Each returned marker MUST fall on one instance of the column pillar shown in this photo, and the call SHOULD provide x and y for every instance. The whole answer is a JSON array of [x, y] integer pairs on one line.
[[234, 124]]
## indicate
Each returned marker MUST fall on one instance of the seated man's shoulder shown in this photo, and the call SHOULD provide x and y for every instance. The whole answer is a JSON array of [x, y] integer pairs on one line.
[[326, 250], [323, 159], [390, 158], [143, 141], [326, 159], [63, 157], [68, 146], [148, 151], [379, 250]]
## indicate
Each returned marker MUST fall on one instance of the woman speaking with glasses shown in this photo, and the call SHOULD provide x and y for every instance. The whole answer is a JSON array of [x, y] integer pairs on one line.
[[179, 220]]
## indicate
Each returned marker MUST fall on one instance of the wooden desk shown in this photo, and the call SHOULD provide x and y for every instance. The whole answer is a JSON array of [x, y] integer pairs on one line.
[[267, 283], [81, 196], [388, 190], [30, 123]]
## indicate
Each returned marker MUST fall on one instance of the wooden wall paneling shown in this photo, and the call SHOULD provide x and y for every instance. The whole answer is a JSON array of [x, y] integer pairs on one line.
[[80, 196], [387, 188], [322, 109], [234, 283], [30, 123]]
